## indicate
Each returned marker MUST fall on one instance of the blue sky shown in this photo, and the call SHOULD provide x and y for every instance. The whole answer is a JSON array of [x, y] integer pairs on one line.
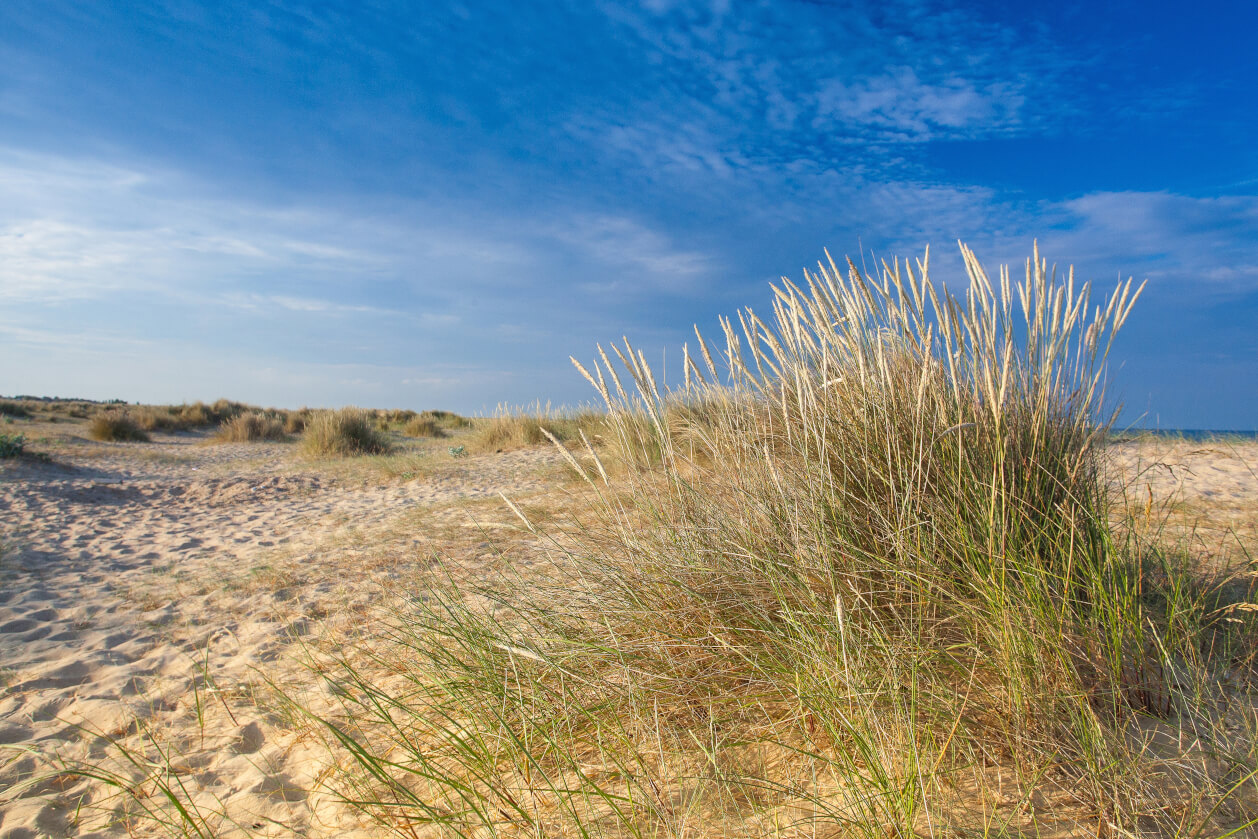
[[434, 205]]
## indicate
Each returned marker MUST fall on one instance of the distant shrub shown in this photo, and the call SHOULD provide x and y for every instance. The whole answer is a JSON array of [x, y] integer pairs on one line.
[[9, 408], [421, 426], [447, 419], [11, 445], [224, 409], [194, 416], [508, 430], [156, 418], [295, 421], [116, 426], [343, 433], [401, 417], [249, 427]]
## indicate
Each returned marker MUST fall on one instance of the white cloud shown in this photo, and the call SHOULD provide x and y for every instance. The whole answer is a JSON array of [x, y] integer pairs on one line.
[[899, 105], [652, 260]]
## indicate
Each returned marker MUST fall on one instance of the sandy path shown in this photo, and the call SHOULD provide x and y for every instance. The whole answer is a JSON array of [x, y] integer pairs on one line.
[[133, 573]]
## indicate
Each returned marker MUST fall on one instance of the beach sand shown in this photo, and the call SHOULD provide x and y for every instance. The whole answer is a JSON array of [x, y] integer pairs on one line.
[[149, 592]]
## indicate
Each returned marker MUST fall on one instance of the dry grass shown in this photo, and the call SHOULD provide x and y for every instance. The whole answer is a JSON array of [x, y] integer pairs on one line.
[[116, 426], [251, 426], [10, 408], [860, 576], [421, 426], [870, 587], [295, 421], [343, 433], [515, 429]]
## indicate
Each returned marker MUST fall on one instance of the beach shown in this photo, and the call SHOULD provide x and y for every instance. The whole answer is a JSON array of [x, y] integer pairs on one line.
[[154, 595], [151, 590]]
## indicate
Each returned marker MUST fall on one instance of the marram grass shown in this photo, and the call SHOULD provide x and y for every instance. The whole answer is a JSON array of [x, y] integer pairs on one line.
[[346, 432], [856, 577]]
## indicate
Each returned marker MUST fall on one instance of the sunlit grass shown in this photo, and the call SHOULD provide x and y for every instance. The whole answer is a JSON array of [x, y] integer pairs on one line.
[[343, 433], [859, 575]]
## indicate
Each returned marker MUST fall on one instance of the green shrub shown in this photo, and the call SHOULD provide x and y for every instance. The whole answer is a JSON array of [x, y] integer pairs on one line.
[[116, 426], [11, 445], [447, 419], [347, 432], [401, 417], [249, 427]]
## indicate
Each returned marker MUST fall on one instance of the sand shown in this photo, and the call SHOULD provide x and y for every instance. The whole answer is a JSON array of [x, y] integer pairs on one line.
[[1199, 496], [148, 592]]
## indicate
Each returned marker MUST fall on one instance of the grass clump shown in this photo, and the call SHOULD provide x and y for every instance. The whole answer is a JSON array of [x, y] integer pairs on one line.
[[17, 410], [862, 582], [250, 427], [516, 429], [12, 445], [421, 426], [116, 426], [295, 421], [856, 577], [346, 432]]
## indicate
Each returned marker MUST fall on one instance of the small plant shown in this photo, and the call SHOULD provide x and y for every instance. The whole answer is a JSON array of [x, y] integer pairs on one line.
[[249, 427], [117, 427], [11, 445], [344, 433]]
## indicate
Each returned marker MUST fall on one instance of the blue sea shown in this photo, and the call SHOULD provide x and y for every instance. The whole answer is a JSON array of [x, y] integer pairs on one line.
[[1187, 433]]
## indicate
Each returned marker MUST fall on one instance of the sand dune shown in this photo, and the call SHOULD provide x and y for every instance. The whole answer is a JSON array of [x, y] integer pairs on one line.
[[149, 591]]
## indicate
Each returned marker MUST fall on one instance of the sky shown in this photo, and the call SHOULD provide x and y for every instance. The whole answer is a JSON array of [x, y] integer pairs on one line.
[[433, 205]]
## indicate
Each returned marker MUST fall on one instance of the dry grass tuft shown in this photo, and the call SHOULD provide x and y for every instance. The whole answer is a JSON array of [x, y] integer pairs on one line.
[[421, 426], [10, 408], [116, 426], [251, 426], [865, 585], [517, 429], [295, 421], [343, 433]]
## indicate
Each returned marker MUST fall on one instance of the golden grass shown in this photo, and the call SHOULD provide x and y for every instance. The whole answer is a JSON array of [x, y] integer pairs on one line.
[[866, 586], [343, 433], [116, 426], [515, 429], [251, 426], [861, 575], [421, 426]]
